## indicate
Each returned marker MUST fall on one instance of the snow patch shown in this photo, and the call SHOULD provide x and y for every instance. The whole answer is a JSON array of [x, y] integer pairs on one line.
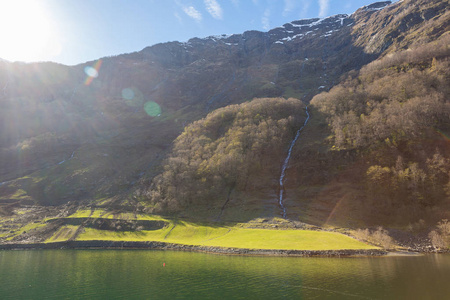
[[328, 33], [373, 7], [299, 26], [290, 38], [316, 23], [307, 25], [219, 37]]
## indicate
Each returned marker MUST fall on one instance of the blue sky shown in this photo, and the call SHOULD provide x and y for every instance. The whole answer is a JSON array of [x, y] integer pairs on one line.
[[76, 31]]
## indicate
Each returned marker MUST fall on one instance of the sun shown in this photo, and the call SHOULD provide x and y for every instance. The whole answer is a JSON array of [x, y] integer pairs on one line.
[[26, 32]]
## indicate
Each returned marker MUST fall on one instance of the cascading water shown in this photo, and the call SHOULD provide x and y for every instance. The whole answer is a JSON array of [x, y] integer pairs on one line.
[[68, 159], [286, 162]]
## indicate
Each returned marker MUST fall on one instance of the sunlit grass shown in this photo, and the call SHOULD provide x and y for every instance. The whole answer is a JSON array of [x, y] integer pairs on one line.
[[63, 234], [85, 213], [232, 237], [122, 216], [102, 213], [24, 229], [208, 234], [81, 213], [150, 217], [286, 239], [19, 194]]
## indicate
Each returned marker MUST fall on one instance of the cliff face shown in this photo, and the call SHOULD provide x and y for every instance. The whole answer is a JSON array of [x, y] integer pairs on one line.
[[66, 136]]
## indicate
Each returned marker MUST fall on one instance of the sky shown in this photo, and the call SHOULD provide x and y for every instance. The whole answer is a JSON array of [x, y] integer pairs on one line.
[[75, 31]]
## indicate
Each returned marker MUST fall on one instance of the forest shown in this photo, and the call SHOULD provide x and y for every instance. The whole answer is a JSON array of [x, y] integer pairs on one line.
[[394, 112], [226, 150]]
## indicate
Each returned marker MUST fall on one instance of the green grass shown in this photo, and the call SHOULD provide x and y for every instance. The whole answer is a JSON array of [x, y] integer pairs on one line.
[[101, 213], [85, 213], [150, 217], [63, 234], [122, 216], [24, 229], [81, 213], [232, 237], [211, 234], [287, 240], [19, 194]]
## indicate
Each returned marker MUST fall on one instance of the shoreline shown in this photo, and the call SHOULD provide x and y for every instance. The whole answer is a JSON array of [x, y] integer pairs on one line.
[[119, 245]]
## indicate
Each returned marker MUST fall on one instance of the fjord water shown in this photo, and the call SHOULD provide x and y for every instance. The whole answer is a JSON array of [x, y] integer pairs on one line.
[[136, 274]]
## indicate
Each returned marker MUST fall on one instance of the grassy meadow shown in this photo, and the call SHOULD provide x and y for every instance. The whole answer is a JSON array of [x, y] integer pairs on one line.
[[216, 235]]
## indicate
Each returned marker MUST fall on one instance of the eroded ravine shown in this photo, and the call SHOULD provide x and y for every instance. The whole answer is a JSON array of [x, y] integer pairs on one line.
[[286, 162]]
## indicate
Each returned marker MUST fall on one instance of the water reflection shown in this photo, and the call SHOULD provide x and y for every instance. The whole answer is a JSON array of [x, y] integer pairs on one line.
[[180, 275]]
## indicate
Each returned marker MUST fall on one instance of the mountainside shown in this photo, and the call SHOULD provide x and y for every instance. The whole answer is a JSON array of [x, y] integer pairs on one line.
[[231, 153], [393, 118], [104, 133]]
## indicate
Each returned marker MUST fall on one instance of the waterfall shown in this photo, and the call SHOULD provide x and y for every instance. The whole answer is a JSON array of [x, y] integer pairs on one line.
[[286, 162], [61, 162]]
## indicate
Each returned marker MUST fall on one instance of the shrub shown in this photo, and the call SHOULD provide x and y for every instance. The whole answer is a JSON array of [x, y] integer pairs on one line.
[[381, 237], [440, 238], [378, 237]]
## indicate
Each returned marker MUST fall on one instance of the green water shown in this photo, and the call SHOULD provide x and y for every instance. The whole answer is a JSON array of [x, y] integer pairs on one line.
[[128, 274]]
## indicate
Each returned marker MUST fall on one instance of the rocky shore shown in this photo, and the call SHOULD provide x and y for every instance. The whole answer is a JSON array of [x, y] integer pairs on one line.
[[193, 248]]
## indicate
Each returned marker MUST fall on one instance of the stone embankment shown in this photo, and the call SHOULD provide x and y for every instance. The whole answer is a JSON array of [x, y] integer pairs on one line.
[[193, 248]]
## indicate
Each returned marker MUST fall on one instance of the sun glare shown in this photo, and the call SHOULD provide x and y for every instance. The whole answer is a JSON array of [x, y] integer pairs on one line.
[[26, 32]]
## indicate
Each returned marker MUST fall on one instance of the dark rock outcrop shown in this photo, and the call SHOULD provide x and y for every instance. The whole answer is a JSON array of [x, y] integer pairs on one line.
[[111, 224]]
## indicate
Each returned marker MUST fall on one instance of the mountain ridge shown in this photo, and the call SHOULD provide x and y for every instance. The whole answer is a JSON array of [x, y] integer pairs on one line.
[[67, 137]]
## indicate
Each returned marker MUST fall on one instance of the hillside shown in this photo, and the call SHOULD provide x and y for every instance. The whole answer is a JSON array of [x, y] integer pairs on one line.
[[173, 129], [393, 117], [230, 154]]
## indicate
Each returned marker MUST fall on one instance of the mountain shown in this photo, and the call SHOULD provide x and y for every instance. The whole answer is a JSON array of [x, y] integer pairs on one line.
[[101, 133]]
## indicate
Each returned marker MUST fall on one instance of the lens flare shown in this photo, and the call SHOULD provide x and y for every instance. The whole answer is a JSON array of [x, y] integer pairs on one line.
[[443, 134], [127, 94], [133, 97], [92, 72], [152, 109]]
